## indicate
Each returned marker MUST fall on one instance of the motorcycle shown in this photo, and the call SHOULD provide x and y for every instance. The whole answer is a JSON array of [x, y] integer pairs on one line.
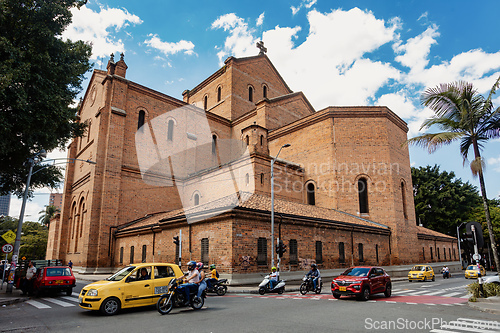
[[308, 285], [218, 287], [265, 286], [446, 275], [176, 298]]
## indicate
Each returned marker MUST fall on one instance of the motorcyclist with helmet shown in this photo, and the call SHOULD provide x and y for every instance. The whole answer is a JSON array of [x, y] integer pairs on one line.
[[202, 284], [273, 277], [191, 281], [214, 276], [314, 273]]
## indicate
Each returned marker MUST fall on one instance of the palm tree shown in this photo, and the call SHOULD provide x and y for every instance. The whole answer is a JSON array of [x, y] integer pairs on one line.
[[47, 214], [465, 115]]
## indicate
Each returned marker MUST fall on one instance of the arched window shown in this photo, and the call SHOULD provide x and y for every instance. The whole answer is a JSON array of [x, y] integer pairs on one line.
[[144, 252], [261, 140], [311, 200], [363, 195], [214, 144], [141, 119], [131, 254], [341, 252], [205, 103], [360, 252], [250, 94], [247, 140], [121, 255], [170, 130], [262, 179], [264, 91], [219, 94], [88, 131], [196, 199], [403, 198]]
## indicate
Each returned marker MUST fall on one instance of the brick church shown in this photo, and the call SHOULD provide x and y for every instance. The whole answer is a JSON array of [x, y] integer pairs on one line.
[[200, 168]]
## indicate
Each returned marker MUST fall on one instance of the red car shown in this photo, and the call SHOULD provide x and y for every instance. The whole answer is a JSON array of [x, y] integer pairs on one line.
[[54, 278], [362, 282]]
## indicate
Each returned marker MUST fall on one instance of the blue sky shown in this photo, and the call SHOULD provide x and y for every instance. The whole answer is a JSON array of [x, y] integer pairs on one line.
[[337, 52]]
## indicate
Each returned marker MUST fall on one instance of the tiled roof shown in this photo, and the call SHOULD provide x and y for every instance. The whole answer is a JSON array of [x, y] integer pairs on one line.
[[429, 232], [254, 202]]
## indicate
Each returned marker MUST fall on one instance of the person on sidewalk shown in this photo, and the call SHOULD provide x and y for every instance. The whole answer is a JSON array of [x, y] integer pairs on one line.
[[28, 280]]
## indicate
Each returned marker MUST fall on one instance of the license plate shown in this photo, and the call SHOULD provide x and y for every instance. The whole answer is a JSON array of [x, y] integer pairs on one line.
[[59, 281], [342, 288]]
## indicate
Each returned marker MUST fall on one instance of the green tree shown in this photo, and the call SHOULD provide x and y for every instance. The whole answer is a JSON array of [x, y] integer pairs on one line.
[[441, 200], [478, 215], [465, 115], [33, 240], [48, 213], [40, 77]]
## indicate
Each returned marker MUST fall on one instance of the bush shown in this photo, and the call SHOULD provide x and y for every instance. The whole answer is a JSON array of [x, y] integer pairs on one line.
[[489, 289]]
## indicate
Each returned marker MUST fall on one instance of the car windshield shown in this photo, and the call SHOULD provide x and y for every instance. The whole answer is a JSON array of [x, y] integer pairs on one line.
[[357, 271], [58, 272], [418, 268], [121, 273], [472, 267]]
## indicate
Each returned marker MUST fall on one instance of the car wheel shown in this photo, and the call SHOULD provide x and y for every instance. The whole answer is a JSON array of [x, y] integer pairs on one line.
[[365, 294], [425, 278], [69, 291], [221, 291], [281, 290], [197, 302], [262, 290], [303, 289], [410, 280], [318, 290], [388, 290], [433, 278], [110, 306], [337, 296], [164, 304]]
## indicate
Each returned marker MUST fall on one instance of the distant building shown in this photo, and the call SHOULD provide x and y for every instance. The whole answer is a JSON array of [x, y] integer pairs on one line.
[[56, 199], [4, 204]]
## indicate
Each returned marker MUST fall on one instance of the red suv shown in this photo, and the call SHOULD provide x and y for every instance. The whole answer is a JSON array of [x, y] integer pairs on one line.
[[56, 278], [362, 282]]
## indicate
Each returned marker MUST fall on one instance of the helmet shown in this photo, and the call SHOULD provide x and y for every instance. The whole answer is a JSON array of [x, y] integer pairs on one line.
[[212, 266], [199, 265], [191, 265], [314, 266], [273, 268]]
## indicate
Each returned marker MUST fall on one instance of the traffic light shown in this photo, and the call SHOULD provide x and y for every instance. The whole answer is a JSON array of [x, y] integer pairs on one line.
[[479, 234], [280, 248], [176, 240]]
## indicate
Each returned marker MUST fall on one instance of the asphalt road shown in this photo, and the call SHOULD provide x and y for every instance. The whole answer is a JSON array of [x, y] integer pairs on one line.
[[414, 307]]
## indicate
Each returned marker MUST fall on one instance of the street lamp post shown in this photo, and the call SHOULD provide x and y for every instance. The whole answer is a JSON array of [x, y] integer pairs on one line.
[[459, 250], [38, 157], [272, 201]]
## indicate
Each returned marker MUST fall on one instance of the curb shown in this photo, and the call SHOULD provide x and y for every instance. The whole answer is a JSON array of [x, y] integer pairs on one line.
[[9, 301], [475, 306]]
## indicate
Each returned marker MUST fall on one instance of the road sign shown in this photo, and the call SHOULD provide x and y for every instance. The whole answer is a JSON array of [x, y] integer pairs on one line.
[[9, 236], [476, 256], [7, 248]]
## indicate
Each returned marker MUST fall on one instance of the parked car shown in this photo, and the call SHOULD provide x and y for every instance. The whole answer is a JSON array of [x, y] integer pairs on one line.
[[362, 281], [421, 273], [128, 288], [54, 278], [471, 272], [492, 279]]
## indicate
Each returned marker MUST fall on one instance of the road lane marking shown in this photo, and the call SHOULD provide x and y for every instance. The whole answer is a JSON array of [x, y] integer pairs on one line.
[[451, 294], [38, 305], [58, 302], [69, 298], [433, 293]]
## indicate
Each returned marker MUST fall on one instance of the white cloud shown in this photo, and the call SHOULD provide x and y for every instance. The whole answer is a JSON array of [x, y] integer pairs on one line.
[[96, 27], [169, 48], [240, 42], [295, 10], [495, 162], [417, 49], [305, 3], [260, 20]]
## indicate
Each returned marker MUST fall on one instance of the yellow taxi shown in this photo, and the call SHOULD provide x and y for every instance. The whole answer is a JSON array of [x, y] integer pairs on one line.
[[132, 286], [421, 273], [471, 272]]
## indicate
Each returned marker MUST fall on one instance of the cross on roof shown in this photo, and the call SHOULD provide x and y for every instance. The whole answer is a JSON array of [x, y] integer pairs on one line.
[[261, 47]]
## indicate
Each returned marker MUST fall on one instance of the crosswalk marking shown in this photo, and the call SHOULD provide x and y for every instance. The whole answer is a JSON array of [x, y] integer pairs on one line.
[[37, 304], [58, 302], [451, 294], [469, 325], [69, 298], [402, 291], [433, 293]]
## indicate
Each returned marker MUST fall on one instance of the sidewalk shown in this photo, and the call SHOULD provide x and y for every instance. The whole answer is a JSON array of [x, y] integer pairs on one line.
[[490, 304]]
